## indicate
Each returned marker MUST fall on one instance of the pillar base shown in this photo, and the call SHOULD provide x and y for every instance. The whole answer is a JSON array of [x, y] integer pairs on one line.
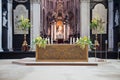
[[5, 49], [1, 49]]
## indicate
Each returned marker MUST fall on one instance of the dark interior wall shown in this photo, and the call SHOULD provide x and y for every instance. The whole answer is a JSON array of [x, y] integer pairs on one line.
[[116, 26], [31, 54], [18, 38], [104, 36]]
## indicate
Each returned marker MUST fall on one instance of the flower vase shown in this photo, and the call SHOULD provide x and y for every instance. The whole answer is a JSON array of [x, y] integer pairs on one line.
[[25, 45]]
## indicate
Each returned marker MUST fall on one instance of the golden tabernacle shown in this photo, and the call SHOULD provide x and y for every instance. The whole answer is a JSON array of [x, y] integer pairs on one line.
[[62, 52]]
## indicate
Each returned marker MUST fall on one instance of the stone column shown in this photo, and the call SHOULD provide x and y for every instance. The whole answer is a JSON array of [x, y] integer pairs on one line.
[[110, 25], [1, 25], [35, 21], [85, 17], [10, 25]]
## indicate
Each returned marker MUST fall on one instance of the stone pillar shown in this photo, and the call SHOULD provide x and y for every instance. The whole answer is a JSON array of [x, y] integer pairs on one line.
[[35, 21], [1, 25], [85, 17], [10, 25], [110, 25]]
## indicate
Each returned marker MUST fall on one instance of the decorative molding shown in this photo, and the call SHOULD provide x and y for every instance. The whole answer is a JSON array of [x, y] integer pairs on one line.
[[21, 1], [92, 5]]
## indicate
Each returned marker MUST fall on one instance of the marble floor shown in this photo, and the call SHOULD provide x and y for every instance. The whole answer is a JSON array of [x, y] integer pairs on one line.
[[109, 70]]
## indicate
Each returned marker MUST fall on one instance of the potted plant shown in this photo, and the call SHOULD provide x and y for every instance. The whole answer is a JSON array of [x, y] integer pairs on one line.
[[40, 42], [83, 41], [94, 25], [24, 24]]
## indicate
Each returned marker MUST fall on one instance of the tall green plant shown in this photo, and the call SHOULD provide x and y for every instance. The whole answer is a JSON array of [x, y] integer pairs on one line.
[[24, 23], [97, 24], [94, 24]]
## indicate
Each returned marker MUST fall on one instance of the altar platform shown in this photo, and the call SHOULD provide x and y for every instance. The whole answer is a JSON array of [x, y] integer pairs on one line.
[[109, 70], [33, 62]]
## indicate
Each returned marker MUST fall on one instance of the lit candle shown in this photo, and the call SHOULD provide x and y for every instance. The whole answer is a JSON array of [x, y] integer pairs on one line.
[[73, 40], [64, 31], [70, 40], [105, 41]]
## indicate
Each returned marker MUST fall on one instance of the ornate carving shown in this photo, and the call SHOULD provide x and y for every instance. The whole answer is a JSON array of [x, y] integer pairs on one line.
[[5, 21]]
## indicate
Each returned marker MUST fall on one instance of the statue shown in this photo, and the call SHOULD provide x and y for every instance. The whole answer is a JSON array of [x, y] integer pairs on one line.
[[4, 18], [116, 18], [59, 33]]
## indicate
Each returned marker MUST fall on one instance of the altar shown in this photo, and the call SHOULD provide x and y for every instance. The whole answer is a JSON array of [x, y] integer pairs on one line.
[[62, 53]]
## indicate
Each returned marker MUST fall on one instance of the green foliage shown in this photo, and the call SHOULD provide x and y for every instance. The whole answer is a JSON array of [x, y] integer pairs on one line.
[[97, 25], [41, 42], [83, 41], [94, 24], [24, 23]]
